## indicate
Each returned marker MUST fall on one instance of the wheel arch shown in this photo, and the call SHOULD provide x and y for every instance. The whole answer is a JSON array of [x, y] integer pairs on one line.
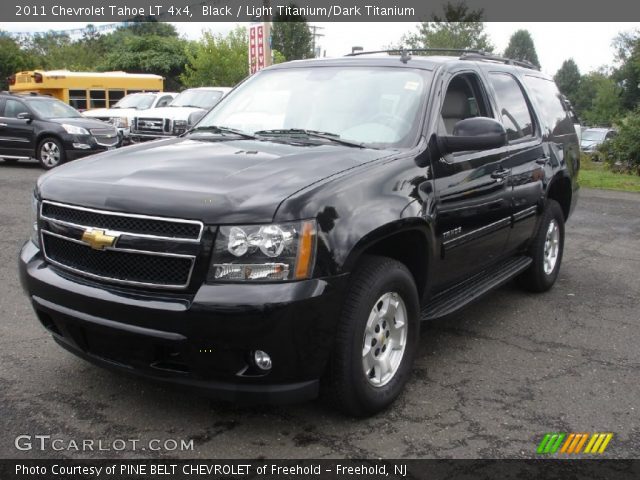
[[408, 241], [560, 190]]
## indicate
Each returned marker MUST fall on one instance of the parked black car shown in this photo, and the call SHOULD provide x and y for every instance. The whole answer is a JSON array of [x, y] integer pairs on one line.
[[293, 240], [49, 130]]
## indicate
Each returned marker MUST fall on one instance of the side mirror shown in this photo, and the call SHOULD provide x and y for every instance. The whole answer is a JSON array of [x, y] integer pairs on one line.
[[195, 117], [477, 133], [25, 116]]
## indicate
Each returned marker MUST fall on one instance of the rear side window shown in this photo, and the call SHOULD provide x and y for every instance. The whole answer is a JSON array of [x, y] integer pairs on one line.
[[514, 109], [12, 108], [549, 101]]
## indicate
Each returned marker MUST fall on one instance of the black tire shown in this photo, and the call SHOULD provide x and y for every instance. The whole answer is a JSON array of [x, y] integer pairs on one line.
[[47, 160], [535, 278], [347, 387]]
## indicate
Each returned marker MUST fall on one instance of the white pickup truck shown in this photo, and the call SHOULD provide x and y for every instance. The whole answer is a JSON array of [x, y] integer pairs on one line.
[[121, 115], [173, 119]]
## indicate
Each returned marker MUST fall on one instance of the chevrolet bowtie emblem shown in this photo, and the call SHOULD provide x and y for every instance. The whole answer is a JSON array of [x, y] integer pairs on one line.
[[97, 239]]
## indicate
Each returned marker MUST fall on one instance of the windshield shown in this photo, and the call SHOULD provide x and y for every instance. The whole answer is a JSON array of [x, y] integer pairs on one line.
[[53, 109], [593, 135], [138, 101], [197, 98], [369, 105]]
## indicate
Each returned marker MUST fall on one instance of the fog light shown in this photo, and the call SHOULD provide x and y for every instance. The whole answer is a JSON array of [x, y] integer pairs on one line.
[[81, 146], [262, 360]]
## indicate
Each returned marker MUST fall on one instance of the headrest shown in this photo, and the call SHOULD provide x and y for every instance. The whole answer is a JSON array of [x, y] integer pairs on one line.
[[456, 105]]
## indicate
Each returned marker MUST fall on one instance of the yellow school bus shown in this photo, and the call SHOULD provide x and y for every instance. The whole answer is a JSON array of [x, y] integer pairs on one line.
[[85, 90]]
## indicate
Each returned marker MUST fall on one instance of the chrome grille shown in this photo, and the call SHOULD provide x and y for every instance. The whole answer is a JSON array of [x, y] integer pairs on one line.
[[107, 137], [166, 228], [142, 254], [153, 125]]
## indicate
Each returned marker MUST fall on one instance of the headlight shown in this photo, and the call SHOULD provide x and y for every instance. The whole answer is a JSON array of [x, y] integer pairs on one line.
[[275, 252], [121, 122], [73, 130], [179, 126], [35, 208]]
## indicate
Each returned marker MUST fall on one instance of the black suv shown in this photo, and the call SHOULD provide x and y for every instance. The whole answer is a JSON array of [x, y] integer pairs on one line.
[[49, 130], [292, 241]]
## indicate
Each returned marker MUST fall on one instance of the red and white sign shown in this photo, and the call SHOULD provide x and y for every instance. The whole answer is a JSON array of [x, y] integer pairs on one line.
[[259, 51]]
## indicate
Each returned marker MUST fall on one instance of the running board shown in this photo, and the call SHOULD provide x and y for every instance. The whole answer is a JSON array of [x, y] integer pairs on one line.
[[462, 294]]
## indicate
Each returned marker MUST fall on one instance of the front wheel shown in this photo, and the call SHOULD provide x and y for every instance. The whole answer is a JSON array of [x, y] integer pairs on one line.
[[546, 250], [50, 153], [377, 338]]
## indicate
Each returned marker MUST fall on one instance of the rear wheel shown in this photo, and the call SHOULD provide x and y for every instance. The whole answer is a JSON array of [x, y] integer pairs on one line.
[[50, 153], [546, 250], [377, 338]]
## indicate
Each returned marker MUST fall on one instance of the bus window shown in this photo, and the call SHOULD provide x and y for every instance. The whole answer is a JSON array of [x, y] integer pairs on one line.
[[129, 92], [78, 99], [114, 96], [98, 98]]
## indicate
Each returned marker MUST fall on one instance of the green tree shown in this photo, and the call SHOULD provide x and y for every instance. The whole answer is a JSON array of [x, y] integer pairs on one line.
[[12, 59], [598, 99], [521, 47], [161, 55], [460, 28], [291, 36], [627, 47], [623, 151], [568, 79], [218, 60]]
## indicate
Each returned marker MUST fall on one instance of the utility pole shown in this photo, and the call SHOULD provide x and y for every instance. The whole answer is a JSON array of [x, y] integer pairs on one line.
[[315, 34]]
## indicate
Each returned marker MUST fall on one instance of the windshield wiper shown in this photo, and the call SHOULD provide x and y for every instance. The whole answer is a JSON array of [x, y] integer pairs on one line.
[[222, 130], [334, 137]]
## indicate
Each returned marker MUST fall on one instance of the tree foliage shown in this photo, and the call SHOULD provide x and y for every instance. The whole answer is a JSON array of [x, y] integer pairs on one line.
[[521, 47], [12, 59], [218, 60], [460, 28], [292, 37], [568, 79], [623, 152], [627, 47], [597, 99]]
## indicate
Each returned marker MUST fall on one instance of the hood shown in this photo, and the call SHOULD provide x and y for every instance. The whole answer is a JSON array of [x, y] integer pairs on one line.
[[174, 113], [218, 182], [113, 112], [83, 122]]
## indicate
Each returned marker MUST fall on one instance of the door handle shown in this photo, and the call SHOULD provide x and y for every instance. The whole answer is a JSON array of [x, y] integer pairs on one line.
[[3, 124], [500, 174]]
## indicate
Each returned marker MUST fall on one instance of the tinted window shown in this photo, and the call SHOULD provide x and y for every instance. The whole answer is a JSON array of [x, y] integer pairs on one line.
[[12, 108], [549, 100], [98, 98], [115, 96], [51, 108], [78, 99], [516, 116]]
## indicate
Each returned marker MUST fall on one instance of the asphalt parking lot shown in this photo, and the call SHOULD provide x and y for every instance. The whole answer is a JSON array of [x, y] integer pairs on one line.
[[488, 383]]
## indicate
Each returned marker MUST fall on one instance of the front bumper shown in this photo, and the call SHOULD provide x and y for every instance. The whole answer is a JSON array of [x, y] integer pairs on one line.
[[89, 146], [201, 341]]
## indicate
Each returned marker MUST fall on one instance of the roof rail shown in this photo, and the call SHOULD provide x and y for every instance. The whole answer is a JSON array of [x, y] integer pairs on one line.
[[497, 58], [465, 54], [415, 50]]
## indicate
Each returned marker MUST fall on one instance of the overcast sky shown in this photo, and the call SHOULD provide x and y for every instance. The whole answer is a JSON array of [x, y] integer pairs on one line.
[[588, 43]]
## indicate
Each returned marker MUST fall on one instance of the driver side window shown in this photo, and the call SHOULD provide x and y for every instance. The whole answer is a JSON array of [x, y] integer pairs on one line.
[[464, 99]]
